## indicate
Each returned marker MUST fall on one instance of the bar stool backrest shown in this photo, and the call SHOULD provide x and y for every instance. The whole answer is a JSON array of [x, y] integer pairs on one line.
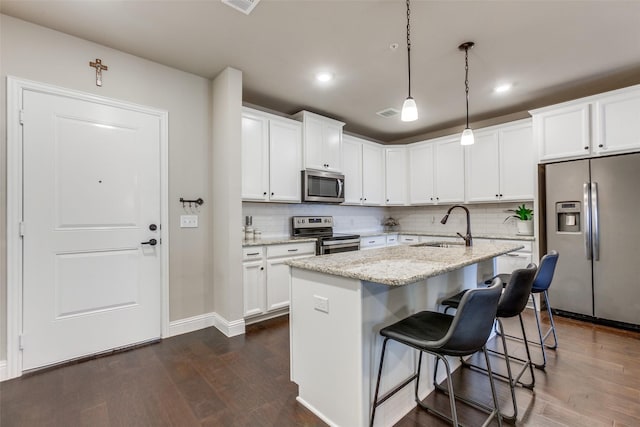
[[547, 268], [516, 294], [473, 321]]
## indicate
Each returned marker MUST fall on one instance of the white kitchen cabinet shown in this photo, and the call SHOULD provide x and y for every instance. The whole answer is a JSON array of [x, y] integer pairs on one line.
[[271, 157], [421, 173], [392, 240], [501, 164], [436, 171], [408, 239], [602, 124], [396, 175], [278, 274], [266, 276], [322, 141], [563, 132], [253, 281], [363, 169], [617, 123], [449, 166], [255, 156], [373, 242]]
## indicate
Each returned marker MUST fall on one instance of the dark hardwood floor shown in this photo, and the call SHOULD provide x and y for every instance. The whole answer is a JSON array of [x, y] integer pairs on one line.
[[204, 378]]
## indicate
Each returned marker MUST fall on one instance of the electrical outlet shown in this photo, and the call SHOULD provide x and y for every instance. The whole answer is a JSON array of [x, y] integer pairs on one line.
[[321, 303], [188, 221]]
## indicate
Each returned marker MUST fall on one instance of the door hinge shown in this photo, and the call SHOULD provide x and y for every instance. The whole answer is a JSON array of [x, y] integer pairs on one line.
[[21, 229], [20, 342], [21, 117]]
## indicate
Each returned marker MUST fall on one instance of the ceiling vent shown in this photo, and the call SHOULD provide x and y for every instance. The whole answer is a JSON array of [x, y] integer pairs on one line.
[[388, 113], [244, 6]]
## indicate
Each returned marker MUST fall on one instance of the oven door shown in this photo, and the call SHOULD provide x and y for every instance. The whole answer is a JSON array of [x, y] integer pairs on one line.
[[336, 246]]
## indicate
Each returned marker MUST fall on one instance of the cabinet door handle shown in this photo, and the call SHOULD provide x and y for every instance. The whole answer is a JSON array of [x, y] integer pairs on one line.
[[586, 148], [261, 268], [292, 250], [253, 253], [372, 241]]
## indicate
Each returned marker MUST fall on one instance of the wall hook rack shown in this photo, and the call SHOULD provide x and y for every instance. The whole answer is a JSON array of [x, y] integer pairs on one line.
[[198, 201]]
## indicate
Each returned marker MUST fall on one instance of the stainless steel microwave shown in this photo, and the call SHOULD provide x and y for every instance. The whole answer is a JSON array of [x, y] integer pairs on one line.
[[321, 186]]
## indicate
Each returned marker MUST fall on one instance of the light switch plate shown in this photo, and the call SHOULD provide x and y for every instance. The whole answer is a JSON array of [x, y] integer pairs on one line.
[[188, 221]]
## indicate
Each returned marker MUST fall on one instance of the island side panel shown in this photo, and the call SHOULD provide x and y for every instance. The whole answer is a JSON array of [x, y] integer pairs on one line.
[[384, 305], [326, 347]]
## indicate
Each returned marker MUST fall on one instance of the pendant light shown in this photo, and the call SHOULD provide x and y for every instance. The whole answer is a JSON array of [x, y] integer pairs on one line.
[[467, 135], [409, 108]]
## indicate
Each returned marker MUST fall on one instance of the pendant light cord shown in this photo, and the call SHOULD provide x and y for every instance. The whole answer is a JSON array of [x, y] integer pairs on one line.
[[466, 80], [409, 45]]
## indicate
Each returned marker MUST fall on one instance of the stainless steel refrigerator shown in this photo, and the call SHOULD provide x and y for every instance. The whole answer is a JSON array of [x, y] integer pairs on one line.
[[593, 221]]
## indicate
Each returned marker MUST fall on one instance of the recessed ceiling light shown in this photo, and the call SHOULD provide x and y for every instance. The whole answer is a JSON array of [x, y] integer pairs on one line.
[[324, 77], [503, 88]]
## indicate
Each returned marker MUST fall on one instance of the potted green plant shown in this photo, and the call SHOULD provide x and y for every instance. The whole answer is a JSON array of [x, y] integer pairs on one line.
[[524, 219]]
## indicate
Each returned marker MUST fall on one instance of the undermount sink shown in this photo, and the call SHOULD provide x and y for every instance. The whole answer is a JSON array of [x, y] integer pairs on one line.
[[440, 244]]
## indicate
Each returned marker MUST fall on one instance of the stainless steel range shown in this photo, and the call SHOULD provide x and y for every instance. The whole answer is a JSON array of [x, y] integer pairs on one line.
[[322, 228]]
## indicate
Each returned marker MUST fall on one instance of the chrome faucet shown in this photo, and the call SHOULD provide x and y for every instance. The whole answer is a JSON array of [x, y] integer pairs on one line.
[[467, 239]]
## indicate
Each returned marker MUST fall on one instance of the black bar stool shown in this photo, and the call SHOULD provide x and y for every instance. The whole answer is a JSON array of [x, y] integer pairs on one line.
[[512, 302], [541, 284], [443, 335]]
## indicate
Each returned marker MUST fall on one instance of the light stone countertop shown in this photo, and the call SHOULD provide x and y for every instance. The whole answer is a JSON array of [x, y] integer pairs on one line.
[[276, 241], [522, 237], [402, 265]]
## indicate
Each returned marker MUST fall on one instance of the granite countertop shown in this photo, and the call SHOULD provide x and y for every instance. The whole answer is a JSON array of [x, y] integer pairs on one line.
[[436, 234], [402, 265], [276, 241]]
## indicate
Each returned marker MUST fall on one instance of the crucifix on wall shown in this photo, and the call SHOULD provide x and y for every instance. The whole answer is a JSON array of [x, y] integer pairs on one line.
[[99, 67]]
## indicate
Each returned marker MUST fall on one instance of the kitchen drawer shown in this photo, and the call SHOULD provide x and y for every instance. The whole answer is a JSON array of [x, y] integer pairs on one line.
[[373, 242], [392, 239], [252, 253], [408, 239], [292, 249]]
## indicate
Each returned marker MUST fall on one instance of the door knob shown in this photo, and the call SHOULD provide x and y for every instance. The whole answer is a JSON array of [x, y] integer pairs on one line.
[[153, 227], [151, 242]]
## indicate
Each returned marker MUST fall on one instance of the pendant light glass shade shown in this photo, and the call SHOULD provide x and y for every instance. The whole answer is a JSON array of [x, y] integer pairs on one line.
[[467, 137], [409, 110]]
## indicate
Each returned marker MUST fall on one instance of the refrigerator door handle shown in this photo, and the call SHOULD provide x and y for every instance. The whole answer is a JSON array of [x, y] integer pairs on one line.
[[587, 220], [595, 226]]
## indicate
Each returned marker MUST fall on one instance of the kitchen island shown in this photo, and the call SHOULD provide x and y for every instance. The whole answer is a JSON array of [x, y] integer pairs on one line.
[[340, 302]]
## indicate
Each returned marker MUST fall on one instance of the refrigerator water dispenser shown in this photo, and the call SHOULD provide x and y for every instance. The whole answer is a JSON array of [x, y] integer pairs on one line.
[[568, 217]]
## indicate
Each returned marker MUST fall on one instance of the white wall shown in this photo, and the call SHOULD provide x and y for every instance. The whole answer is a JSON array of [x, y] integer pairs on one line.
[[35, 53]]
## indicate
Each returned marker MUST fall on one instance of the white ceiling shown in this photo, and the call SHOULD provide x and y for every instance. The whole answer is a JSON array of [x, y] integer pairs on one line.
[[550, 50]]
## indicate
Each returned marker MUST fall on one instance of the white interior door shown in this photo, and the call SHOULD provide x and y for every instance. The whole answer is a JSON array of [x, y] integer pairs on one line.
[[91, 175]]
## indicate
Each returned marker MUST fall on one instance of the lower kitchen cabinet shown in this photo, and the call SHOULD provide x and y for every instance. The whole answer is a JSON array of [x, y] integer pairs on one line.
[[266, 277], [507, 263]]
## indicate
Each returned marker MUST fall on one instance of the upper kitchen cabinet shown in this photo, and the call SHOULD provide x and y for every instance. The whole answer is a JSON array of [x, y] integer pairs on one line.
[[322, 141], [363, 169], [421, 173], [617, 122], [564, 132], [598, 125], [271, 157], [436, 171], [396, 175], [501, 164]]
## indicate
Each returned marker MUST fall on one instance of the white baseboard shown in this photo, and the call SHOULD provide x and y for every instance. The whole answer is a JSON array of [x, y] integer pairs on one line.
[[195, 323], [190, 324], [229, 328], [4, 374]]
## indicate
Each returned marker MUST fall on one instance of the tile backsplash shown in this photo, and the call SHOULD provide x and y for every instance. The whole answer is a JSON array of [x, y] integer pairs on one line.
[[274, 219]]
